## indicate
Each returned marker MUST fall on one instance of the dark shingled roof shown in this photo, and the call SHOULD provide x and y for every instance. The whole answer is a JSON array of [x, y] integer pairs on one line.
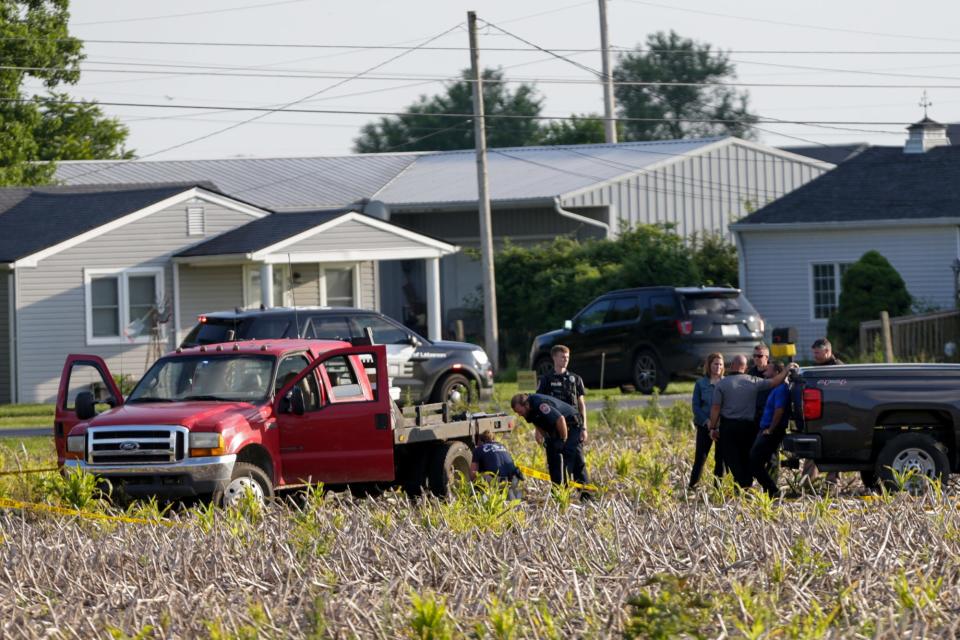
[[35, 218], [262, 233], [834, 153], [881, 183]]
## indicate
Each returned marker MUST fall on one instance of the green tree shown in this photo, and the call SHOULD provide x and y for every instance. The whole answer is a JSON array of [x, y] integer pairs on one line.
[[715, 259], [35, 130], [580, 129], [870, 285], [559, 277], [667, 59], [414, 131]]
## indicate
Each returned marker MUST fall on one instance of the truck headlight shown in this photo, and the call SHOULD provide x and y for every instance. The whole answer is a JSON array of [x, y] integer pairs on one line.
[[481, 357], [76, 445], [206, 444]]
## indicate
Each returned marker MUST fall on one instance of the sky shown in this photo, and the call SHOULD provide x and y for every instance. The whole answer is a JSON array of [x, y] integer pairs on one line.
[[858, 68]]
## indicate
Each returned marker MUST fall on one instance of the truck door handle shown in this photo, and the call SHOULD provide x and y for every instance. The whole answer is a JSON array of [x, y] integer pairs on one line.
[[382, 421]]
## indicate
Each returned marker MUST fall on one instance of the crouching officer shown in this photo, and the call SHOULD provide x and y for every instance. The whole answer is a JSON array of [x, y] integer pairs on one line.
[[491, 457], [558, 429]]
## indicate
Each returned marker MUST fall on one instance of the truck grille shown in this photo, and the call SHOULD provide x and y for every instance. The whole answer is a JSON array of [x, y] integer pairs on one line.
[[136, 444]]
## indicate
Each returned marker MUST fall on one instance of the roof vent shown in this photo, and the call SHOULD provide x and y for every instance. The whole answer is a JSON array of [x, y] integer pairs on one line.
[[927, 133]]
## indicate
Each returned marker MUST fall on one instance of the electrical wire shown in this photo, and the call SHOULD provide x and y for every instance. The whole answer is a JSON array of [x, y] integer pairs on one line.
[[185, 15]]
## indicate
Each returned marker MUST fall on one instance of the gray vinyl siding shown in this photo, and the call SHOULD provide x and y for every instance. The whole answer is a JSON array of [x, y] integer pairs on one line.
[[352, 235], [51, 303], [368, 286], [306, 289], [778, 270], [5, 296], [701, 193], [206, 289]]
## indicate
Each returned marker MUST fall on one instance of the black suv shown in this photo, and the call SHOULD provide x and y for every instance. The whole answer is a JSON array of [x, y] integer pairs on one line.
[[646, 336], [425, 370]]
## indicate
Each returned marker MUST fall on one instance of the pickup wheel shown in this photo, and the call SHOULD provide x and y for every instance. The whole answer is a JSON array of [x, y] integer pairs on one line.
[[910, 460], [245, 477], [648, 373], [454, 383], [448, 460]]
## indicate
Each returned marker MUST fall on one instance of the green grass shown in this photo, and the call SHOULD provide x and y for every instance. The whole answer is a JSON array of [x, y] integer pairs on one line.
[[13, 416], [507, 389]]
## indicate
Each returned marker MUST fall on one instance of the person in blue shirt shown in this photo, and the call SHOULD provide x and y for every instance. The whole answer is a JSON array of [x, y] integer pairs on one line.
[[702, 400], [773, 426], [491, 457]]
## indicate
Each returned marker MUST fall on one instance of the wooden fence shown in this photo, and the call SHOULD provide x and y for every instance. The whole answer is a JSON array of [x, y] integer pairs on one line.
[[918, 337]]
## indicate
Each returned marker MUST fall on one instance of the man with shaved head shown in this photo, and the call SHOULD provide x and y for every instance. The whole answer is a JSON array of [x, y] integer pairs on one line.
[[732, 416]]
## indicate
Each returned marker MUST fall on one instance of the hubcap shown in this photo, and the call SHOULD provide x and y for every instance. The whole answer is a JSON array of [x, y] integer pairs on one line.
[[646, 372], [458, 392], [919, 464], [238, 487]]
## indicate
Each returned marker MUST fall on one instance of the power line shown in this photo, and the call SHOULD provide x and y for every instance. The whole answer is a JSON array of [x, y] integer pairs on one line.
[[265, 112], [792, 24], [185, 15], [579, 65]]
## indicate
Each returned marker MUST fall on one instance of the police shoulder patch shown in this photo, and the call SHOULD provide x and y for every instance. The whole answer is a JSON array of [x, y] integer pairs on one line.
[[544, 408]]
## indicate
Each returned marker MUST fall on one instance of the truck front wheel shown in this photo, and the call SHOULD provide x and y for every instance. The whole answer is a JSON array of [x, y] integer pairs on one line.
[[448, 460], [245, 477], [910, 461]]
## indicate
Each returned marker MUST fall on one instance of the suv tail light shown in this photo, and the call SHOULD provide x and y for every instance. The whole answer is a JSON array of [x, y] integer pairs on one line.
[[685, 327], [812, 404]]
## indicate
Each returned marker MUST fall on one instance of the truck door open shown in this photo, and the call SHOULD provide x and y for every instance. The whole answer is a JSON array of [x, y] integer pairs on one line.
[[81, 373], [344, 433]]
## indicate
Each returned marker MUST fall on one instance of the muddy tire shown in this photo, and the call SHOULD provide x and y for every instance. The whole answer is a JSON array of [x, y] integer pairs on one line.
[[245, 477], [449, 459]]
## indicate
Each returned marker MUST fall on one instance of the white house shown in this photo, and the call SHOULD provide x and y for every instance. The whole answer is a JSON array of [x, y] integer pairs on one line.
[[901, 201]]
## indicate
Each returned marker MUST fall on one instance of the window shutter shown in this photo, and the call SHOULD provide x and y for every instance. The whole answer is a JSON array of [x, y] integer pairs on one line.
[[195, 221]]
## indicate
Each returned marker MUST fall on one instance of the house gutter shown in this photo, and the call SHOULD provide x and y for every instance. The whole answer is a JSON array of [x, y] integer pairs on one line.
[[579, 218]]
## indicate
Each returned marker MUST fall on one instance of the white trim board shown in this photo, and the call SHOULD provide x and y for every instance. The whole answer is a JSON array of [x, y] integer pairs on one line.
[[195, 192], [123, 297]]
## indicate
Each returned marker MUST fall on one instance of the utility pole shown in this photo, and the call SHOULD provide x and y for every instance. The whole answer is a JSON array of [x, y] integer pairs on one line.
[[609, 124], [490, 334]]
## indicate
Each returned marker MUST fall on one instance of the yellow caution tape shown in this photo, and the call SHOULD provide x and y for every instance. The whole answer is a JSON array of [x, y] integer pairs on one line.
[[540, 475], [7, 503], [25, 471]]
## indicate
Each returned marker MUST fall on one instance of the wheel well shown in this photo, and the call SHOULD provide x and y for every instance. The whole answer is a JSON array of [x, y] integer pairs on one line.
[[258, 455], [915, 418]]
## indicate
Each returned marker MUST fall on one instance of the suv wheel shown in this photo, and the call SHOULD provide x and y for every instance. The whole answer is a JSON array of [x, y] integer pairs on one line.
[[454, 383], [543, 367], [647, 373], [910, 461]]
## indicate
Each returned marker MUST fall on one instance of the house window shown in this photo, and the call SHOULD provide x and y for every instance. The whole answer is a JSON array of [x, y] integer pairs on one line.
[[196, 225], [826, 288], [281, 286], [338, 286], [122, 306]]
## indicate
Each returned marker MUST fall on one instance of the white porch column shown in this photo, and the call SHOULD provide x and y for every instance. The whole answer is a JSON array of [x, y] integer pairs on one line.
[[266, 285], [434, 331]]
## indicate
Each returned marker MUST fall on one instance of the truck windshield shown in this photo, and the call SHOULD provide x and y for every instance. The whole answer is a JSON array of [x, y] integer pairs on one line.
[[231, 378]]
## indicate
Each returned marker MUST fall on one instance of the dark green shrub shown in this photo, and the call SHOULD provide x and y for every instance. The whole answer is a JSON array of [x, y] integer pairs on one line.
[[870, 285]]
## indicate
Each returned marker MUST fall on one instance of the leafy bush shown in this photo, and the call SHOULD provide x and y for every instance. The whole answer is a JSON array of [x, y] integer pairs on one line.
[[870, 285], [558, 278]]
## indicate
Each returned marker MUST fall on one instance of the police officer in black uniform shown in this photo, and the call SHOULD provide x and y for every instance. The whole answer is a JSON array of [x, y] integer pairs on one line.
[[558, 429], [565, 385], [491, 457]]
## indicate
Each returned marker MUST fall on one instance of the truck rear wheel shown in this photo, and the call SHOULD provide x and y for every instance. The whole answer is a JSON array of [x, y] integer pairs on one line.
[[448, 460], [910, 460], [245, 477]]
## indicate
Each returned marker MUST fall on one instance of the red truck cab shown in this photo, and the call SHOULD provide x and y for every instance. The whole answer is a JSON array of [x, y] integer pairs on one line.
[[220, 419]]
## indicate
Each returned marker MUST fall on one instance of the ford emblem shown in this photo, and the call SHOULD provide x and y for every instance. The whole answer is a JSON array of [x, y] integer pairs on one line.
[[129, 446]]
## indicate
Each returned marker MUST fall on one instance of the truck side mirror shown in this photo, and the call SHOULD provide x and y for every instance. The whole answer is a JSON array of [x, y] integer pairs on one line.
[[85, 405], [295, 403], [568, 325]]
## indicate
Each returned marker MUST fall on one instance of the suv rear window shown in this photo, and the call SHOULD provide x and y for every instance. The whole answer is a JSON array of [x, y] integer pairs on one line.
[[717, 303], [216, 330]]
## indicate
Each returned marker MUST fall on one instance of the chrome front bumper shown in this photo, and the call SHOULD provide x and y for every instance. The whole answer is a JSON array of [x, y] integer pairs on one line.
[[189, 477]]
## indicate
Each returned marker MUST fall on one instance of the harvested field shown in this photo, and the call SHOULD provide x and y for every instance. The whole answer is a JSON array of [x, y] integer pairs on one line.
[[647, 559]]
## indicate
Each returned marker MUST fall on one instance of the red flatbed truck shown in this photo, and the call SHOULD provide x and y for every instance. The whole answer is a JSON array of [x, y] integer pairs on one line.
[[217, 420]]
